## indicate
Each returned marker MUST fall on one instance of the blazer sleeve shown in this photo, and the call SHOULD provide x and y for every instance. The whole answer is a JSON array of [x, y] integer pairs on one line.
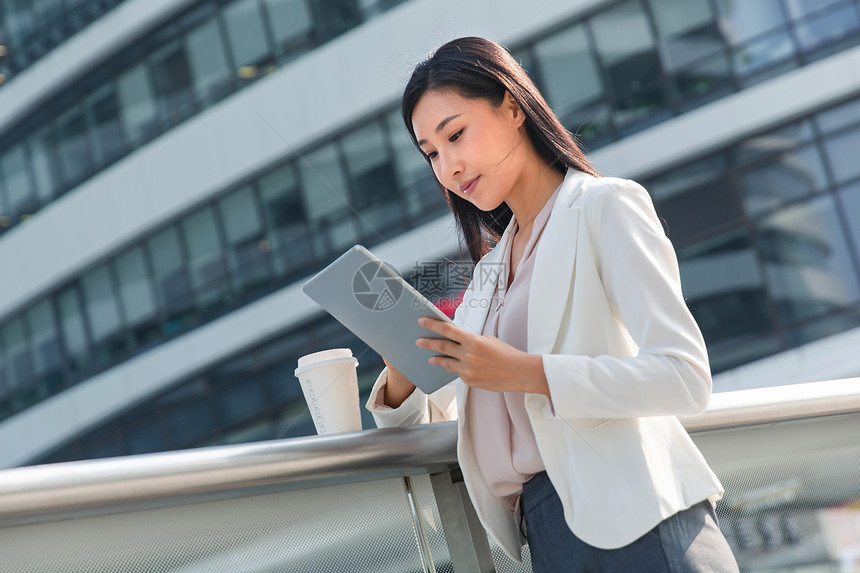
[[418, 408], [636, 262]]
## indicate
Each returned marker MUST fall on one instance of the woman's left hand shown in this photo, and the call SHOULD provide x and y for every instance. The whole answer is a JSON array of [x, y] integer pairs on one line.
[[484, 361]]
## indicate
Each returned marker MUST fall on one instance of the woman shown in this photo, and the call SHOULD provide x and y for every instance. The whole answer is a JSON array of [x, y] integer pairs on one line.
[[573, 350]]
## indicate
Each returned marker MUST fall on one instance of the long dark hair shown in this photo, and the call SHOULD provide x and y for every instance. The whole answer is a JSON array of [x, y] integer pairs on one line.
[[480, 68]]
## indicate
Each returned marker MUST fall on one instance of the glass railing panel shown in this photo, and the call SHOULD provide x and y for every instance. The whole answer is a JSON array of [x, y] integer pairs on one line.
[[345, 528]]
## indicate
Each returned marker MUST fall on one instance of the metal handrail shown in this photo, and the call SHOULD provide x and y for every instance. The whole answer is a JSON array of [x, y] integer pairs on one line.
[[342, 458]]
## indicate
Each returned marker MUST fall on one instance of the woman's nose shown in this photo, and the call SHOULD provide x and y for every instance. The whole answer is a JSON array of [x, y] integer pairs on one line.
[[451, 166]]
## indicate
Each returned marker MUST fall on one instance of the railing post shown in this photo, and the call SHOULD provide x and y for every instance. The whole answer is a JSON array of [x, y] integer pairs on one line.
[[467, 540]]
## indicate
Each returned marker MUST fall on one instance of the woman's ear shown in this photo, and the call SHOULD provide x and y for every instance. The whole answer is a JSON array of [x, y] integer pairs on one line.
[[514, 109]]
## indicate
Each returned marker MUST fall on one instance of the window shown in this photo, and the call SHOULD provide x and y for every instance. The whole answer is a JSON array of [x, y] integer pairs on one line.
[[173, 82], [72, 328], [43, 160], [326, 198], [74, 152], [692, 50], [284, 214], [842, 153], [171, 279], [18, 364], [106, 136], [726, 292], [572, 85], [46, 345], [757, 32], [807, 261], [243, 231], [791, 175], [136, 104], [631, 66], [373, 181], [136, 296], [247, 37], [413, 173], [334, 17], [207, 62], [16, 181], [101, 306], [206, 260], [292, 24]]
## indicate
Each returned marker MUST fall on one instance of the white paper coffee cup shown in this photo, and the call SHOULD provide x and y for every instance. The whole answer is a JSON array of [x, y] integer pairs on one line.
[[330, 384]]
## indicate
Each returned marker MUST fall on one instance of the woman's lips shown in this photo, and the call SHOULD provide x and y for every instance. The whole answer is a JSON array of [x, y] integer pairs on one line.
[[469, 187]]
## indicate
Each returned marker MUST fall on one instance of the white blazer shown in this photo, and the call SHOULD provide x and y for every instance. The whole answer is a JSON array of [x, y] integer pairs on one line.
[[622, 355]]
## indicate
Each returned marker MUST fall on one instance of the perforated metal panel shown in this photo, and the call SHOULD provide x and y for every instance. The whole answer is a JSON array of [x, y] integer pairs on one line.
[[340, 529]]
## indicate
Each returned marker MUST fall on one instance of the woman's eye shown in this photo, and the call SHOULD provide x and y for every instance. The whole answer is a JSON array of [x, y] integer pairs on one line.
[[456, 136], [431, 155]]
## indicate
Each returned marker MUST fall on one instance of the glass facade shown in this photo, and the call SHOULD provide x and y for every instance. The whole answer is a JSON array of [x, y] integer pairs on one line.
[[361, 186], [767, 232], [29, 29], [212, 50], [674, 55]]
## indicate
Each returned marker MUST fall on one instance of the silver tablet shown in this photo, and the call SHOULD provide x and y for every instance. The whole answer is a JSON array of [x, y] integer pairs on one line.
[[370, 298]]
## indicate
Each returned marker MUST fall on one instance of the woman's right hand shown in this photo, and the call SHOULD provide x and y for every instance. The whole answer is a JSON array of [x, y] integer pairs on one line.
[[397, 387]]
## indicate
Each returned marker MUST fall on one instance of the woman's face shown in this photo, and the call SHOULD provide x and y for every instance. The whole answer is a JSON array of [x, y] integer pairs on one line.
[[478, 151]]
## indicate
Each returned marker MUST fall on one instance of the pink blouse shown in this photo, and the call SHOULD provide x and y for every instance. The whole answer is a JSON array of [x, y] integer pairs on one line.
[[505, 446]]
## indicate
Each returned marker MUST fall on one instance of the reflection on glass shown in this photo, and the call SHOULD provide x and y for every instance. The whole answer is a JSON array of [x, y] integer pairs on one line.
[[373, 180], [773, 142], [570, 77], [840, 116], [73, 150], [101, 304], [243, 231], [414, 174], [45, 341], [106, 136], [291, 23], [842, 153], [246, 35], [687, 30], [135, 294], [207, 62], [72, 328], [757, 31], [205, 258], [136, 102], [698, 210], [335, 16], [807, 263], [42, 160], [631, 64], [850, 198], [15, 182], [826, 27], [171, 279], [801, 8], [285, 221], [18, 368], [323, 184], [742, 21], [726, 292], [788, 176], [172, 81]]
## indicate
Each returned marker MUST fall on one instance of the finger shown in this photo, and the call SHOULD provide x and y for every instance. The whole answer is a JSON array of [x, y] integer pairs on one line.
[[446, 362], [442, 346], [446, 329]]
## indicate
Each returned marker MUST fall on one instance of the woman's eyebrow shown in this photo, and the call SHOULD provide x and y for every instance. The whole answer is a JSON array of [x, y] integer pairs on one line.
[[441, 126]]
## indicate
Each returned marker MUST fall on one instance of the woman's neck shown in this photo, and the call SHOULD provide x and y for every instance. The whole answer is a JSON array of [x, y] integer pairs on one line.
[[540, 184]]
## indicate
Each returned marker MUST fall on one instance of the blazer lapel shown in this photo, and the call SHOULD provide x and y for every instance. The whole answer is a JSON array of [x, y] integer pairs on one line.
[[555, 264]]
